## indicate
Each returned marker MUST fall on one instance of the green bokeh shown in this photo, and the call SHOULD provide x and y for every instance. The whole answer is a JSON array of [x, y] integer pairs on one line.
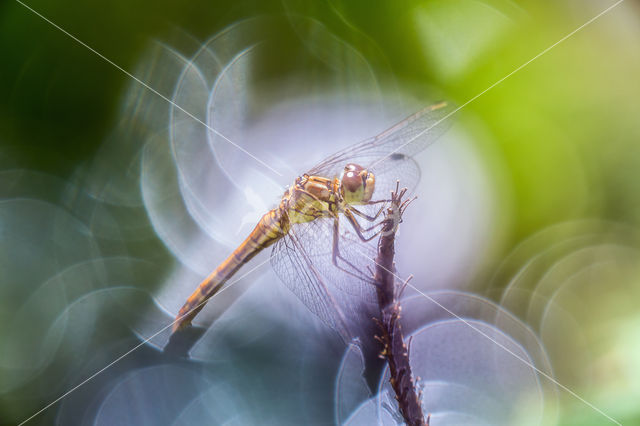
[[562, 132]]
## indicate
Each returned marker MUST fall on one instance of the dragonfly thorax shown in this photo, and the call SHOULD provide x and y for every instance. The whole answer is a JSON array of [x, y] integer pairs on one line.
[[356, 184]]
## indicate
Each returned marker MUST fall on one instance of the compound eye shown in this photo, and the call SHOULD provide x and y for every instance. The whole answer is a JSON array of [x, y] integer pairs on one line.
[[351, 181], [368, 186], [352, 167]]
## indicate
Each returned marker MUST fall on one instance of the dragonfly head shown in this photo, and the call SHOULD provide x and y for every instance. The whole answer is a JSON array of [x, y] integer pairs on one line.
[[356, 184]]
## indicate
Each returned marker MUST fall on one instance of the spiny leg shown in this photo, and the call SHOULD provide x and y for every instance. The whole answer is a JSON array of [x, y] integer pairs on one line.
[[359, 229], [336, 255], [368, 203], [366, 216]]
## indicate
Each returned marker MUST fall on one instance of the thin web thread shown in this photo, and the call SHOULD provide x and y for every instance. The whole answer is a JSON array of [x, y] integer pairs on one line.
[[527, 363], [498, 82], [279, 174], [144, 342], [151, 89]]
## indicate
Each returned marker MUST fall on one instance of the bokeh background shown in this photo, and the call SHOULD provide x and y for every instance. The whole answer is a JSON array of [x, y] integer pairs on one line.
[[113, 206]]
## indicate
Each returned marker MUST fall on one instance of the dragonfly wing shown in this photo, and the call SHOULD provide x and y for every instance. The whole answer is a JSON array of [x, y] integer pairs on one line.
[[300, 275], [393, 169], [393, 147], [303, 261], [317, 239]]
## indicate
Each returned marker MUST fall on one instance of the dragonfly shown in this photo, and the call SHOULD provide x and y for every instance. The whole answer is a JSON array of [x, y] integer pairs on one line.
[[323, 228]]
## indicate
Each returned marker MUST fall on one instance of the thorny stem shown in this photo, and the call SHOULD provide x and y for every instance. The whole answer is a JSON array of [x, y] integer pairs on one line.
[[394, 349]]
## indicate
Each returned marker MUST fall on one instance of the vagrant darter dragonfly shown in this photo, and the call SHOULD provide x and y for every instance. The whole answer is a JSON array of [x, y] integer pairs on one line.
[[314, 250]]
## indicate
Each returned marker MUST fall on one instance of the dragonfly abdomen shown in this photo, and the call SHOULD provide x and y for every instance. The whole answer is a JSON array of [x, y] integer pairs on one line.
[[271, 227]]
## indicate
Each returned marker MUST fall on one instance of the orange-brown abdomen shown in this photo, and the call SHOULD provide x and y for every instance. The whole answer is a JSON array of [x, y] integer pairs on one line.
[[271, 227]]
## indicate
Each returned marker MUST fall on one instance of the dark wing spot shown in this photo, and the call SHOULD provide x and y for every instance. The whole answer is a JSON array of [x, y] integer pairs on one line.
[[397, 156]]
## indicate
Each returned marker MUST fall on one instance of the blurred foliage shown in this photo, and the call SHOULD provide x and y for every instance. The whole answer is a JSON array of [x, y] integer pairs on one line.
[[561, 135], [565, 126]]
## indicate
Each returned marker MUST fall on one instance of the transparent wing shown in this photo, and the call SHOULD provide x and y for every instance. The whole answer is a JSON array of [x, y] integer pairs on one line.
[[316, 238], [343, 297], [388, 155], [299, 274], [391, 170], [303, 261]]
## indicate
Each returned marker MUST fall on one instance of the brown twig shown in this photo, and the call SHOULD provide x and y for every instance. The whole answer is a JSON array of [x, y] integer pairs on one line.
[[394, 349]]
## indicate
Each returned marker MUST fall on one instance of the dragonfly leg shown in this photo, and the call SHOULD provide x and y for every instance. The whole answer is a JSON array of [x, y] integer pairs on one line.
[[368, 203], [359, 229], [366, 216], [336, 255]]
